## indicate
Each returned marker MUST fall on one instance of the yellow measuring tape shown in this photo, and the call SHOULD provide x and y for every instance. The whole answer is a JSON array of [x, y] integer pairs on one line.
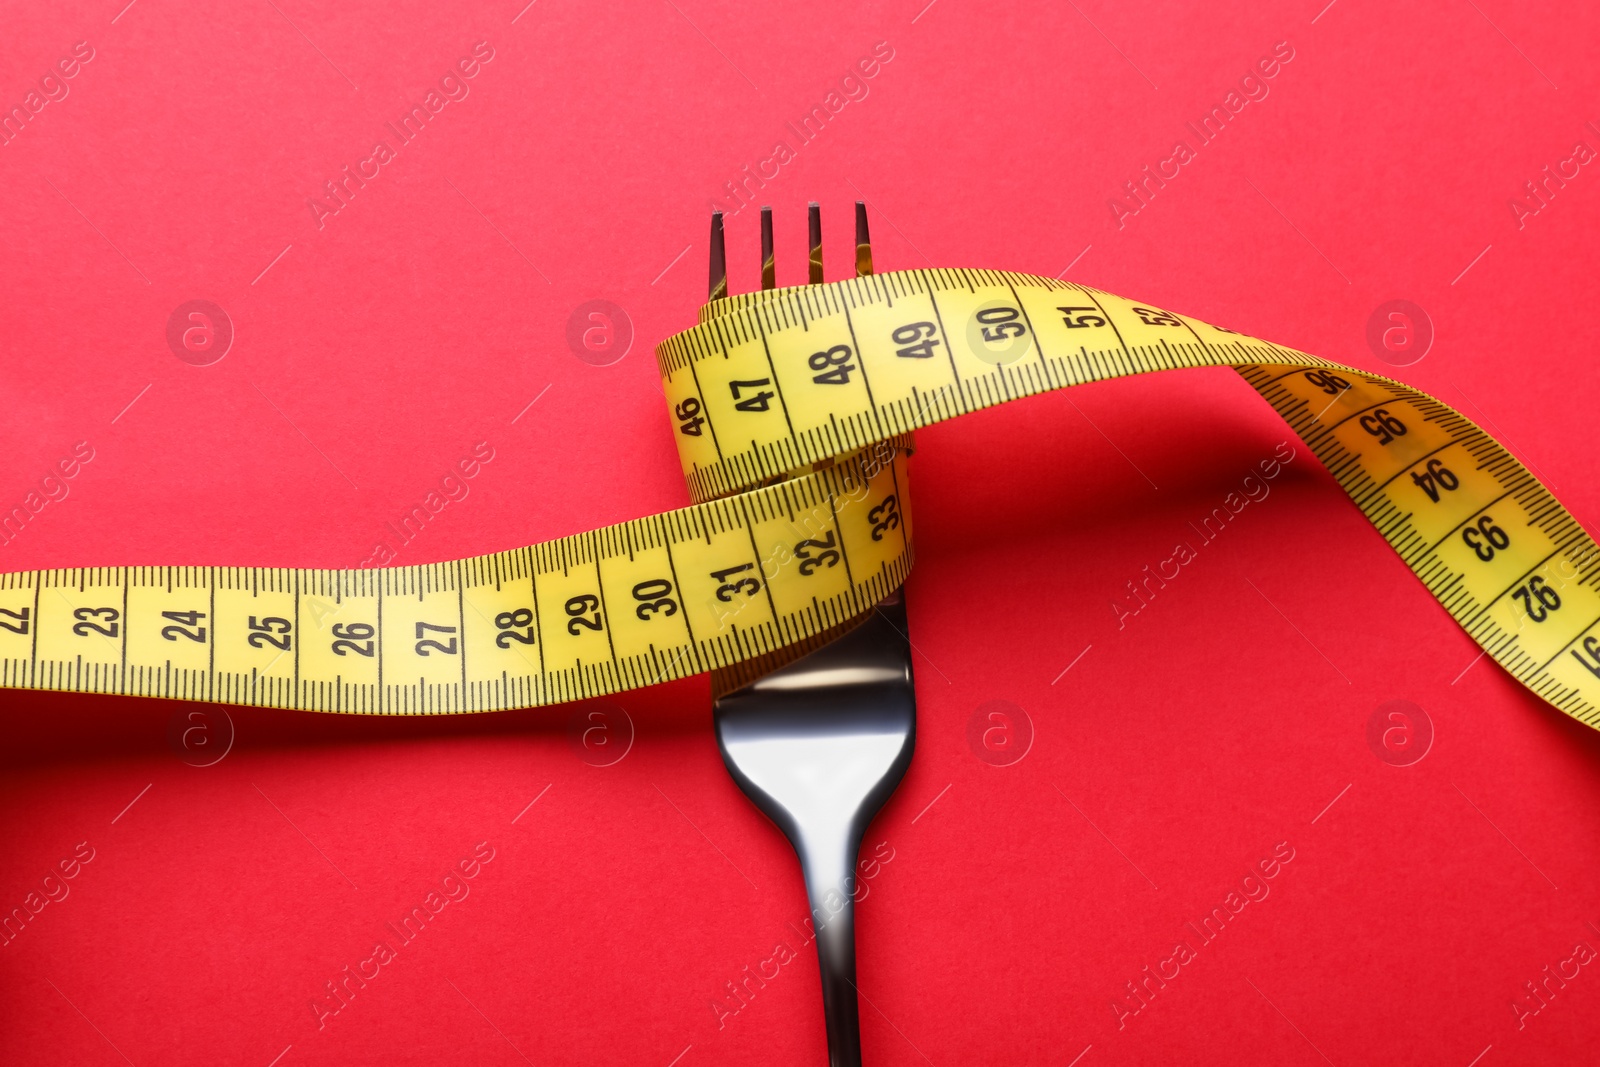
[[808, 393]]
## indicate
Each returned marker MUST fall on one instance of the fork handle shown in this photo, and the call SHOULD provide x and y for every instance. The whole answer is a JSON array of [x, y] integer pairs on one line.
[[828, 867]]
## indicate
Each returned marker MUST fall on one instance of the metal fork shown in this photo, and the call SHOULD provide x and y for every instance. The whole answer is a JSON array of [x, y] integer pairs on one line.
[[821, 742]]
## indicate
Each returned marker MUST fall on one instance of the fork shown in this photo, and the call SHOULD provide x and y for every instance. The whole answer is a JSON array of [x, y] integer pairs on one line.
[[821, 742]]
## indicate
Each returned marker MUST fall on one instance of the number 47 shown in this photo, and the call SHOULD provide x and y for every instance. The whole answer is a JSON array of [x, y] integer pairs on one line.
[[758, 402]]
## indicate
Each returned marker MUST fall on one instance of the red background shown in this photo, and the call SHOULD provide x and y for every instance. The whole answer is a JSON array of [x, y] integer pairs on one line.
[[372, 353]]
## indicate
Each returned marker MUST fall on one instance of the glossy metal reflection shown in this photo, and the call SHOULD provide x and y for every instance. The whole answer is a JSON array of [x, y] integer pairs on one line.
[[819, 745]]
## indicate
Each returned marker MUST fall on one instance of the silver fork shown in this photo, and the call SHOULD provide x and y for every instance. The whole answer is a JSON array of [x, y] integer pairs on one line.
[[821, 742]]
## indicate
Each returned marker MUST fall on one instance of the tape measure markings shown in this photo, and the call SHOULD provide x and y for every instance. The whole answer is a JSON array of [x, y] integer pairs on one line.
[[447, 614], [850, 365], [1478, 599], [973, 388]]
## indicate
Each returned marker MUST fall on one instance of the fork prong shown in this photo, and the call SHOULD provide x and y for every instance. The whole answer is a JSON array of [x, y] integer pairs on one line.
[[719, 259], [863, 241], [769, 266], [814, 218]]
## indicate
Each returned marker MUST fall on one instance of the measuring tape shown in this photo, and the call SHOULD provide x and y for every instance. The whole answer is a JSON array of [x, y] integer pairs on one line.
[[792, 409]]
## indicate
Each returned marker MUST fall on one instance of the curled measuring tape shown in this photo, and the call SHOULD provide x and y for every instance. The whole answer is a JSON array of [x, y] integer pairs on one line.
[[791, 409]]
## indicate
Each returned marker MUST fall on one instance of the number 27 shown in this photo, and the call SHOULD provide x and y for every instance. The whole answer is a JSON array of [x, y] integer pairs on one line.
[[424, 643]]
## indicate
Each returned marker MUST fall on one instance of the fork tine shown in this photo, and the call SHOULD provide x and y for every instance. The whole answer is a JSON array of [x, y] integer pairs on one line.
[[814, 218], [719, 259], [863, 241], [769, 267]]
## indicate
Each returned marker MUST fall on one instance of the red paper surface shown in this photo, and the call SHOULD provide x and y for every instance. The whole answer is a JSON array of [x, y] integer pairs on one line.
[[373, 347]]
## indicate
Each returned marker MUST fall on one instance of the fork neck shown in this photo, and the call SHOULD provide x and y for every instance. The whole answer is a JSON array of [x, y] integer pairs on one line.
[[828, 865]]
